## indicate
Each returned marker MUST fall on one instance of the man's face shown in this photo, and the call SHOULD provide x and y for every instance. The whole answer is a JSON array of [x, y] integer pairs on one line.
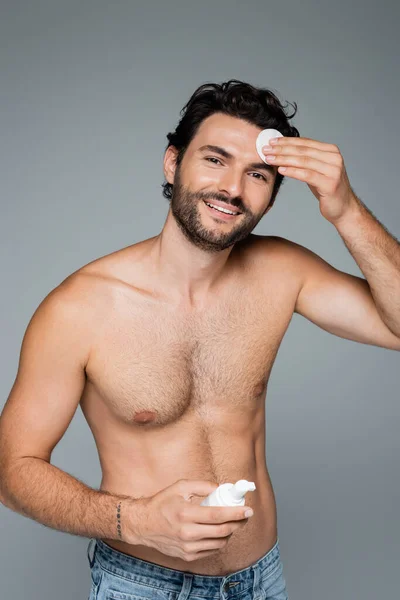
[[206, 175]]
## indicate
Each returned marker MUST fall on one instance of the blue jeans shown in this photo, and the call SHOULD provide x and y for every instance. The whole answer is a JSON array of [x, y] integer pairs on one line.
[[119, 576]]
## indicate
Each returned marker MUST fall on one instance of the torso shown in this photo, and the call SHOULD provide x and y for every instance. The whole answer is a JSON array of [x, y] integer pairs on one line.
[[175, 393]]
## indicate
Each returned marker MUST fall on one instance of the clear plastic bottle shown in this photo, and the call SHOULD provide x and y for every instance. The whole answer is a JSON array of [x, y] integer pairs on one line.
[[229, 494]]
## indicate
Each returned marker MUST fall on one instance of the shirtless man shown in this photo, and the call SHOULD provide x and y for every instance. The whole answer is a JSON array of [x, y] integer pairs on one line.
[[168, 345]]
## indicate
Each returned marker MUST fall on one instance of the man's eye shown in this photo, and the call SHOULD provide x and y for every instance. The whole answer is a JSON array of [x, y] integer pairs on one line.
[[213, 158], [262, 176]]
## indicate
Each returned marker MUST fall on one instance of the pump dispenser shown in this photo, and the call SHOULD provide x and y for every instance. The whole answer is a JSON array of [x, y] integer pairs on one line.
[[229, 494]]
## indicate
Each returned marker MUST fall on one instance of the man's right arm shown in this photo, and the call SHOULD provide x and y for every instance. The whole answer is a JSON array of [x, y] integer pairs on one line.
[[41, 491], [39, 409]]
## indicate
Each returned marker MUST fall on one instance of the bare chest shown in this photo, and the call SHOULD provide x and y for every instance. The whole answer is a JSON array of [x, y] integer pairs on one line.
[[152, 364]]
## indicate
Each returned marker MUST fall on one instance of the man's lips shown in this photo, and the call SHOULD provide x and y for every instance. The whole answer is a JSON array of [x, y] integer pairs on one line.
[[223, 205], [220, 214]]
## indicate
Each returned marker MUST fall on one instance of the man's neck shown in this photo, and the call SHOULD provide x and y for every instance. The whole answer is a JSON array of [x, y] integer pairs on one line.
[[188, 271]]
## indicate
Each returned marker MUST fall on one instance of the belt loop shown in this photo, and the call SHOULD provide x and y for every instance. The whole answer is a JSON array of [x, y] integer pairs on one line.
[[186, 586], [256, 582], [92, 544]]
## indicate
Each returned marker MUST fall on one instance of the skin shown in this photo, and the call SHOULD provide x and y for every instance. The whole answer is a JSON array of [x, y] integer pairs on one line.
[[177, 381], [170, 342]]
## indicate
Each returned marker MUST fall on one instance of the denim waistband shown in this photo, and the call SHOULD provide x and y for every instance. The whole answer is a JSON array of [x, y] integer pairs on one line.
[[142, 571]]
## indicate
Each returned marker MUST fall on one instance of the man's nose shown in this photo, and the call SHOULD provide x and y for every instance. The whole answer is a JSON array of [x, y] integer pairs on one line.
[[231, 182]]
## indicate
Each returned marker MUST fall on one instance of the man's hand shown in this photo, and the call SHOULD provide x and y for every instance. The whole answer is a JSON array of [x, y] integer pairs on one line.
[[170, 522], [321, 166]]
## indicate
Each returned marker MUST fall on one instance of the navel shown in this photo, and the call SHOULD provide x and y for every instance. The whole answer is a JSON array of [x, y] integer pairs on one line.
[[144, 417]]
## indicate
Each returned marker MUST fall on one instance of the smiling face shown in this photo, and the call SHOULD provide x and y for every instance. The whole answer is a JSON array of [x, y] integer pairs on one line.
[[233, 176]]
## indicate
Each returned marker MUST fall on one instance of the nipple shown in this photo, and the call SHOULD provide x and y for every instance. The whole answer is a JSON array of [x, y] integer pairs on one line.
[[144, 417]]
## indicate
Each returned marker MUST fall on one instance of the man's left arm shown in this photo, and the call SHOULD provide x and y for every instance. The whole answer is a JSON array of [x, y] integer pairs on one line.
[[365, 310], [377, 254]]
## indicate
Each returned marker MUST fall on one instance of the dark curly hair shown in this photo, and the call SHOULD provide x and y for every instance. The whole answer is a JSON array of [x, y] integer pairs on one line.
[[257, 106]]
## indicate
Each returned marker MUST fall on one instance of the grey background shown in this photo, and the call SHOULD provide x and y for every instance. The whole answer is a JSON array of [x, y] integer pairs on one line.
[[88, 93]]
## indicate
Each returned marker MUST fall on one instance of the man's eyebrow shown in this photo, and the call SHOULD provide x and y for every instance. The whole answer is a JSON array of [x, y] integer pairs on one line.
[[255, 165]]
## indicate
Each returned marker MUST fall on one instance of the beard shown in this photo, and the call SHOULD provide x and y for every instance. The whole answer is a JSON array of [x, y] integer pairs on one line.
[[185, 207]]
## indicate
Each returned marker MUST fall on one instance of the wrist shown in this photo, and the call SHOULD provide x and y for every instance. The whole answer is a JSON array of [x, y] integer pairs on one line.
[[135, 521], [351, 217]]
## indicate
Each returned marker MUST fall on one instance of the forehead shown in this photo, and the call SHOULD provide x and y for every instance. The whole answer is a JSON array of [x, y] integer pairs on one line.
[[225, 130]]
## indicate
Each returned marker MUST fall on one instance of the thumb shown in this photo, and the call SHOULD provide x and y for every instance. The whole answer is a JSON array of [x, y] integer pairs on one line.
[[197, 488]]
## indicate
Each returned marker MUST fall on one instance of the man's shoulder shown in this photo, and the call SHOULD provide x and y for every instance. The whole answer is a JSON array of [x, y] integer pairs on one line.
[[274, 243], [86, 288], [117, 266], [279, 254], [77, 296]]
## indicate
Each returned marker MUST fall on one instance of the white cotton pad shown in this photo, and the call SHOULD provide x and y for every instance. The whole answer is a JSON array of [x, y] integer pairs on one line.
[[263, 140]]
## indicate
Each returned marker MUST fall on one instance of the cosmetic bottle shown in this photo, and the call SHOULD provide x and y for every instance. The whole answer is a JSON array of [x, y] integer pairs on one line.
[[229, 494]]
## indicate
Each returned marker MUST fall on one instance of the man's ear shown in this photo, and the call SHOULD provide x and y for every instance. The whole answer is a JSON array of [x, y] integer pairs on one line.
[[170, 156]]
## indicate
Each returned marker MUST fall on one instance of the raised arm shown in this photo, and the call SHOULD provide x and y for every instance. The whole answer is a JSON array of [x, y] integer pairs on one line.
[[338, 302]]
